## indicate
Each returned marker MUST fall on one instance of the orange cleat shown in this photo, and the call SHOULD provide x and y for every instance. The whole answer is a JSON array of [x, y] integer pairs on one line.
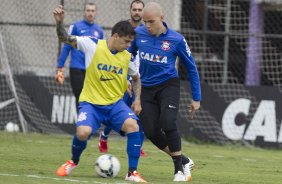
[[135, 177], [66, 168]]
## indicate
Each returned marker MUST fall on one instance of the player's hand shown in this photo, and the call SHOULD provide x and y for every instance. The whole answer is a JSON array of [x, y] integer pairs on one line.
[[195, 105], [136, 107], [60, 77], [58, 13], [129, 88]]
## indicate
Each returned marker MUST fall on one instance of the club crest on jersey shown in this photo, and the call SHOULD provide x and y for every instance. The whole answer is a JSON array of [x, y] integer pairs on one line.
[[165, 45], [82, 116], [96, 34]]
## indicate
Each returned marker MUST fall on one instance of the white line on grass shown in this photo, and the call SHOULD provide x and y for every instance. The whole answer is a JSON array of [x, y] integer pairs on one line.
[[218, 156], [57, 179], [249, 159]]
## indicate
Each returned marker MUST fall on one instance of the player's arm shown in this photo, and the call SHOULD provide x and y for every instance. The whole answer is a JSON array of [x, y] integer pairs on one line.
[[61, 32], [136, 86], [59, 76], [184, 53]]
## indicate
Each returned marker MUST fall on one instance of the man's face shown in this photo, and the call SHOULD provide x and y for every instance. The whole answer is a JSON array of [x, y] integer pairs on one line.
[[122, 43], [153, 22], [136, 12], [90, 13]]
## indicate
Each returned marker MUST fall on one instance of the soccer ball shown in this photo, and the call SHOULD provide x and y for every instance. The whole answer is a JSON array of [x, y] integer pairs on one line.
[[107, 166], [12, 127]]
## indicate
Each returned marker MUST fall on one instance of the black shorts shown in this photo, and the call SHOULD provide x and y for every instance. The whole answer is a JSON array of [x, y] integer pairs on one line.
[[160, 106]]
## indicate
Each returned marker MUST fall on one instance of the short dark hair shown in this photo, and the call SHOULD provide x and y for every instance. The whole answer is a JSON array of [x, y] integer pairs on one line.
[[123, 28], [89, 3], [136, 1]]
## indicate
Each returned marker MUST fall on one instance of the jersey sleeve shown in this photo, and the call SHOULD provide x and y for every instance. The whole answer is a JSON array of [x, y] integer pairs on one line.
[[132, 69], [63, 56], [66, 49], [185, 55], [133, 48], [87, 45]]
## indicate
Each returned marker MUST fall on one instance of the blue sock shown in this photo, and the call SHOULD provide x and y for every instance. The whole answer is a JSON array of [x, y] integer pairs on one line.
[[106, 132], [141, 133], [133, 150], [77, 148], [141, 137]]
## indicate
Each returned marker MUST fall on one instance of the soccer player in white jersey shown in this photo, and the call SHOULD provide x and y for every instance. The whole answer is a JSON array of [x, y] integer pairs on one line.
[[107, 63], [136, 13]]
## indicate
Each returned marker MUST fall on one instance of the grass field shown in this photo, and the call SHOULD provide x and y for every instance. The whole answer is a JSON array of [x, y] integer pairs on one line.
[[33, 158]]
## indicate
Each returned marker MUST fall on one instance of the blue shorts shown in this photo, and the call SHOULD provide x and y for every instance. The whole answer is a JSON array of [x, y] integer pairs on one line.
[[113, 115], [127, 99]]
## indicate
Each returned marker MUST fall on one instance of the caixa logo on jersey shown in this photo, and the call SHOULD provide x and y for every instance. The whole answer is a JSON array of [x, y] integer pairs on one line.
[[153, 57], [262, 124]]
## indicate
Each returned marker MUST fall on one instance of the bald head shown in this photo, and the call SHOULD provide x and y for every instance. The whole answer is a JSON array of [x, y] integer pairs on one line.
[[153, 18], [153, 7]]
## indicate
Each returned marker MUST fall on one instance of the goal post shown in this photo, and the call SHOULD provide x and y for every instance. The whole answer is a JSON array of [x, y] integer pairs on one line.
[[7, 71]]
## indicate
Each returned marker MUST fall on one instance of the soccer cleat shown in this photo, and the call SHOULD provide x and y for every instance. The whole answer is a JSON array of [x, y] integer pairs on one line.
[[103, 144], [187, 168], [135, 177], [66, 168], [142, 153], [179, 176]]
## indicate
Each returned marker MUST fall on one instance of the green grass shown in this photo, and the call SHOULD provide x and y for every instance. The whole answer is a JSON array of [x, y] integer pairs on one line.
[[33, 158]]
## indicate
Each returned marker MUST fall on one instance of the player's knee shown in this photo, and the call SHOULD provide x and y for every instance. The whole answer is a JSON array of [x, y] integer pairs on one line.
[[173, 141], [130, 125], [158, 141], [169, 125], [83, 132], [168, 120]]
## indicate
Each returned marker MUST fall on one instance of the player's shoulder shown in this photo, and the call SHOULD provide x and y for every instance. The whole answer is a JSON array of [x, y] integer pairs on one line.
[[98, 27], [88, 39], [174, 34], [126, 52], [140, 29]]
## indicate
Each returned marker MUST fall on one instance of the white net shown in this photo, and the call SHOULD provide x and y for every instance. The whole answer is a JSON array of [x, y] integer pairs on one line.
[[236, 44], [31, 48]]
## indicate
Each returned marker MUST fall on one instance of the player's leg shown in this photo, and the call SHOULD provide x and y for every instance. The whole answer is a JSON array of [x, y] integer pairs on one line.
[[149, 117], [77, 79], [128, 101], [142, 136], [87, 123], [169, 100], [103, 139], [123, 119]]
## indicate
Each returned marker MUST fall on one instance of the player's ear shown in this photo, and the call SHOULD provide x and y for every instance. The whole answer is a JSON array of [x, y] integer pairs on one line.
[[162, 17], [115, 36]]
